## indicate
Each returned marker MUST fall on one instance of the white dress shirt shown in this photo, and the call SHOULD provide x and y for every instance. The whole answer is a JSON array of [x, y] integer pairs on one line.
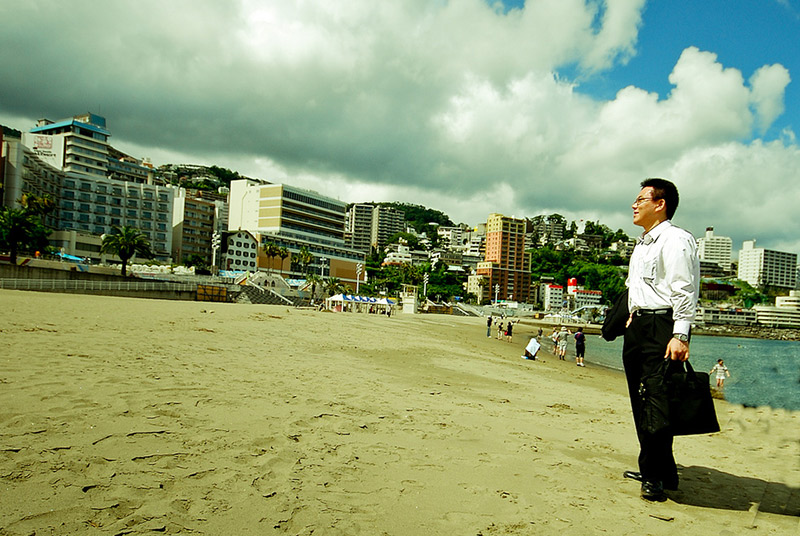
[[664, 273]]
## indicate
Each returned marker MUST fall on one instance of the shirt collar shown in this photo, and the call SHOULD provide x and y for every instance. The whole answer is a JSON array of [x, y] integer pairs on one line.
[[651, 236]]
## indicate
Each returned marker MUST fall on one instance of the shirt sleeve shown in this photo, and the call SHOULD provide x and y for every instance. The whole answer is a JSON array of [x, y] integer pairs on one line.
[[682, 267]]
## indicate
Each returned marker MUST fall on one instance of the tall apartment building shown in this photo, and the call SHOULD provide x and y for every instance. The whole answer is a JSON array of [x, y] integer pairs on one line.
[[292, 217], [192, 226], [358, 233], [759, 266], [386, 222], [712, 248], [545, 230], [371, 226], [506, 265]]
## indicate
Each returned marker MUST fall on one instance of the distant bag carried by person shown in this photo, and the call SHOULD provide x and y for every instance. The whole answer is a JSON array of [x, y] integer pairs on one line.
[[616, 319]]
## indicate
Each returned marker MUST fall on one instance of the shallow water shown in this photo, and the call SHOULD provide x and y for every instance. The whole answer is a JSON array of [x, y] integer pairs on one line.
[[763, 372]]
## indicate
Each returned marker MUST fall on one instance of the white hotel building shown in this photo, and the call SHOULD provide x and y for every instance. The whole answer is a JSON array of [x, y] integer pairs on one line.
[[65, 160], [765, 267], [712, 248]]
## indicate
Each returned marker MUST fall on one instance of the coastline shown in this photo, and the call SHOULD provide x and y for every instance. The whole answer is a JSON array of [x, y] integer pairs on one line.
[[722, 330], [129, 416]]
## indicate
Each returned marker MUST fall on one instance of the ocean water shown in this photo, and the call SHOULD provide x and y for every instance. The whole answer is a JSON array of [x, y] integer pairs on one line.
[[763, 372]]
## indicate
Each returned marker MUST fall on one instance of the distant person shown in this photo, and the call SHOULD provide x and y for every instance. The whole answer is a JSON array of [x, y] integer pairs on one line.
[[532, 349], [489, 327], [580, 347], [539, 335], [509, 330], [563, 337], [721, 371], [554, 338], [500, 330]]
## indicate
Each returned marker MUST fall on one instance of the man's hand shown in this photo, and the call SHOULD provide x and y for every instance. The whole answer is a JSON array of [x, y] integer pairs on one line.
[[677, 350]]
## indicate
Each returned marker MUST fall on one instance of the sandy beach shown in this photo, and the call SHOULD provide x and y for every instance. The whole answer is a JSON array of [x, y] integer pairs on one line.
[[129, 416]]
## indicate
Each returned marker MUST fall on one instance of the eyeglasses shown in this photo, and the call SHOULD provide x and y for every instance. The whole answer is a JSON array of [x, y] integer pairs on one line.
[[640, 200]]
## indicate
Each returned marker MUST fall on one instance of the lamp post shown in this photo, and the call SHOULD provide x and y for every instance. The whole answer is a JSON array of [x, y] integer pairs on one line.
[[359, 269], [496, 290]]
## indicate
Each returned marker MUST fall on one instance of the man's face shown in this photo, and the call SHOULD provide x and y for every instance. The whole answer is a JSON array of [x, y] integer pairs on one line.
[[646, 211]]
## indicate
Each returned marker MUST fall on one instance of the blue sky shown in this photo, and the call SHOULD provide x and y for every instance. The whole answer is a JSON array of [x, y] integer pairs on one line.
[[744, 34], [549, 106]]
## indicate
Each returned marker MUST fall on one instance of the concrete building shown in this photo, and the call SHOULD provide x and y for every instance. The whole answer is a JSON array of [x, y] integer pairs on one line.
[[358, 232], [238, 252], [717, 249], [371, 226], [545, 230], [193, 221], [506, 265], [552, 297], [765, 267], [785, 313], [22, 171], [725, 315], [88, 203], [386, 222], [294, 218]]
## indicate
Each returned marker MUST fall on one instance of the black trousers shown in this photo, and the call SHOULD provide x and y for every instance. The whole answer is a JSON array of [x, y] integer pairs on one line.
[[645, 344]]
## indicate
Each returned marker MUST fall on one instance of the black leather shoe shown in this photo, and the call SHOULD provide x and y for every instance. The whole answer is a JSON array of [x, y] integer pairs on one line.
[[671, 484], [633, 475], [653, 490]]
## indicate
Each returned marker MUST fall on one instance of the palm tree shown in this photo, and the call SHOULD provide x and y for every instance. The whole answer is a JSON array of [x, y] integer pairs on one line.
[[283, 253], [125, 242], [271, 251], [315, 280], [304, 257], [36, 204], [333, 286], [19, 229]]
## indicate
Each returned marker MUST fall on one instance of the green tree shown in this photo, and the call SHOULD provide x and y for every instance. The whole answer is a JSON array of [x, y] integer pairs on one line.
[[283, 252], [315, 281], [271, 251], [21, 230], [304, 258], [125, 242], [333, 286]]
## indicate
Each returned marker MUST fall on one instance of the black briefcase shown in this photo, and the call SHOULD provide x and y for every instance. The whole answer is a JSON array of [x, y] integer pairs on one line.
[[690, 404], [678, 400]]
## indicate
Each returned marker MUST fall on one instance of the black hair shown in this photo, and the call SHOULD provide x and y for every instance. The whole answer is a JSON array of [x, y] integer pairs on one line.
[[664, 189]]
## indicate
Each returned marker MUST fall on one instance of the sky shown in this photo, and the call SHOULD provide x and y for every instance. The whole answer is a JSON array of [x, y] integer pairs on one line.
[[465, 106]]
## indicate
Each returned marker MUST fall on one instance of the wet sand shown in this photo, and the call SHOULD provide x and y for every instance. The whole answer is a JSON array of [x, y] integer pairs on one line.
[[128, 416]]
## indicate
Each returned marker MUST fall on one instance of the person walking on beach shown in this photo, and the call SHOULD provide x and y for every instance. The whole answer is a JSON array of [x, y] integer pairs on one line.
[[489, 327], [500, 331], [509, 330], [721, 371], [563, 337], [580, 347], [663, 285]]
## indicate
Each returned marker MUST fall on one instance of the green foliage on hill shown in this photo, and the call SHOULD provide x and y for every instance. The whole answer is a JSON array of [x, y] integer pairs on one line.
[[547, 262]]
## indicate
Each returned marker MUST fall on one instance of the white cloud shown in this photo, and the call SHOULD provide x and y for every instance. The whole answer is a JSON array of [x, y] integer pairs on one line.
[[769, 84], [455, 105]]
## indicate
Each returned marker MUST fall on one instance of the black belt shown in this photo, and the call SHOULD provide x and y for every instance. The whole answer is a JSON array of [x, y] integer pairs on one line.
[[640, 312]]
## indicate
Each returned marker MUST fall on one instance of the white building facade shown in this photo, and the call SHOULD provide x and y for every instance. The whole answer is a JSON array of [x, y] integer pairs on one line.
[[713, 248], [765, 267]]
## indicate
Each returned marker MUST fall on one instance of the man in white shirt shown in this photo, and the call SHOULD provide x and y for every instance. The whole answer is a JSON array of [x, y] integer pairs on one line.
[[663, 285]]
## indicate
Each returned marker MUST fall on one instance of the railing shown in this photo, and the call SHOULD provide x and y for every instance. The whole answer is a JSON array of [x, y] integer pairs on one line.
[[65, 284]]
